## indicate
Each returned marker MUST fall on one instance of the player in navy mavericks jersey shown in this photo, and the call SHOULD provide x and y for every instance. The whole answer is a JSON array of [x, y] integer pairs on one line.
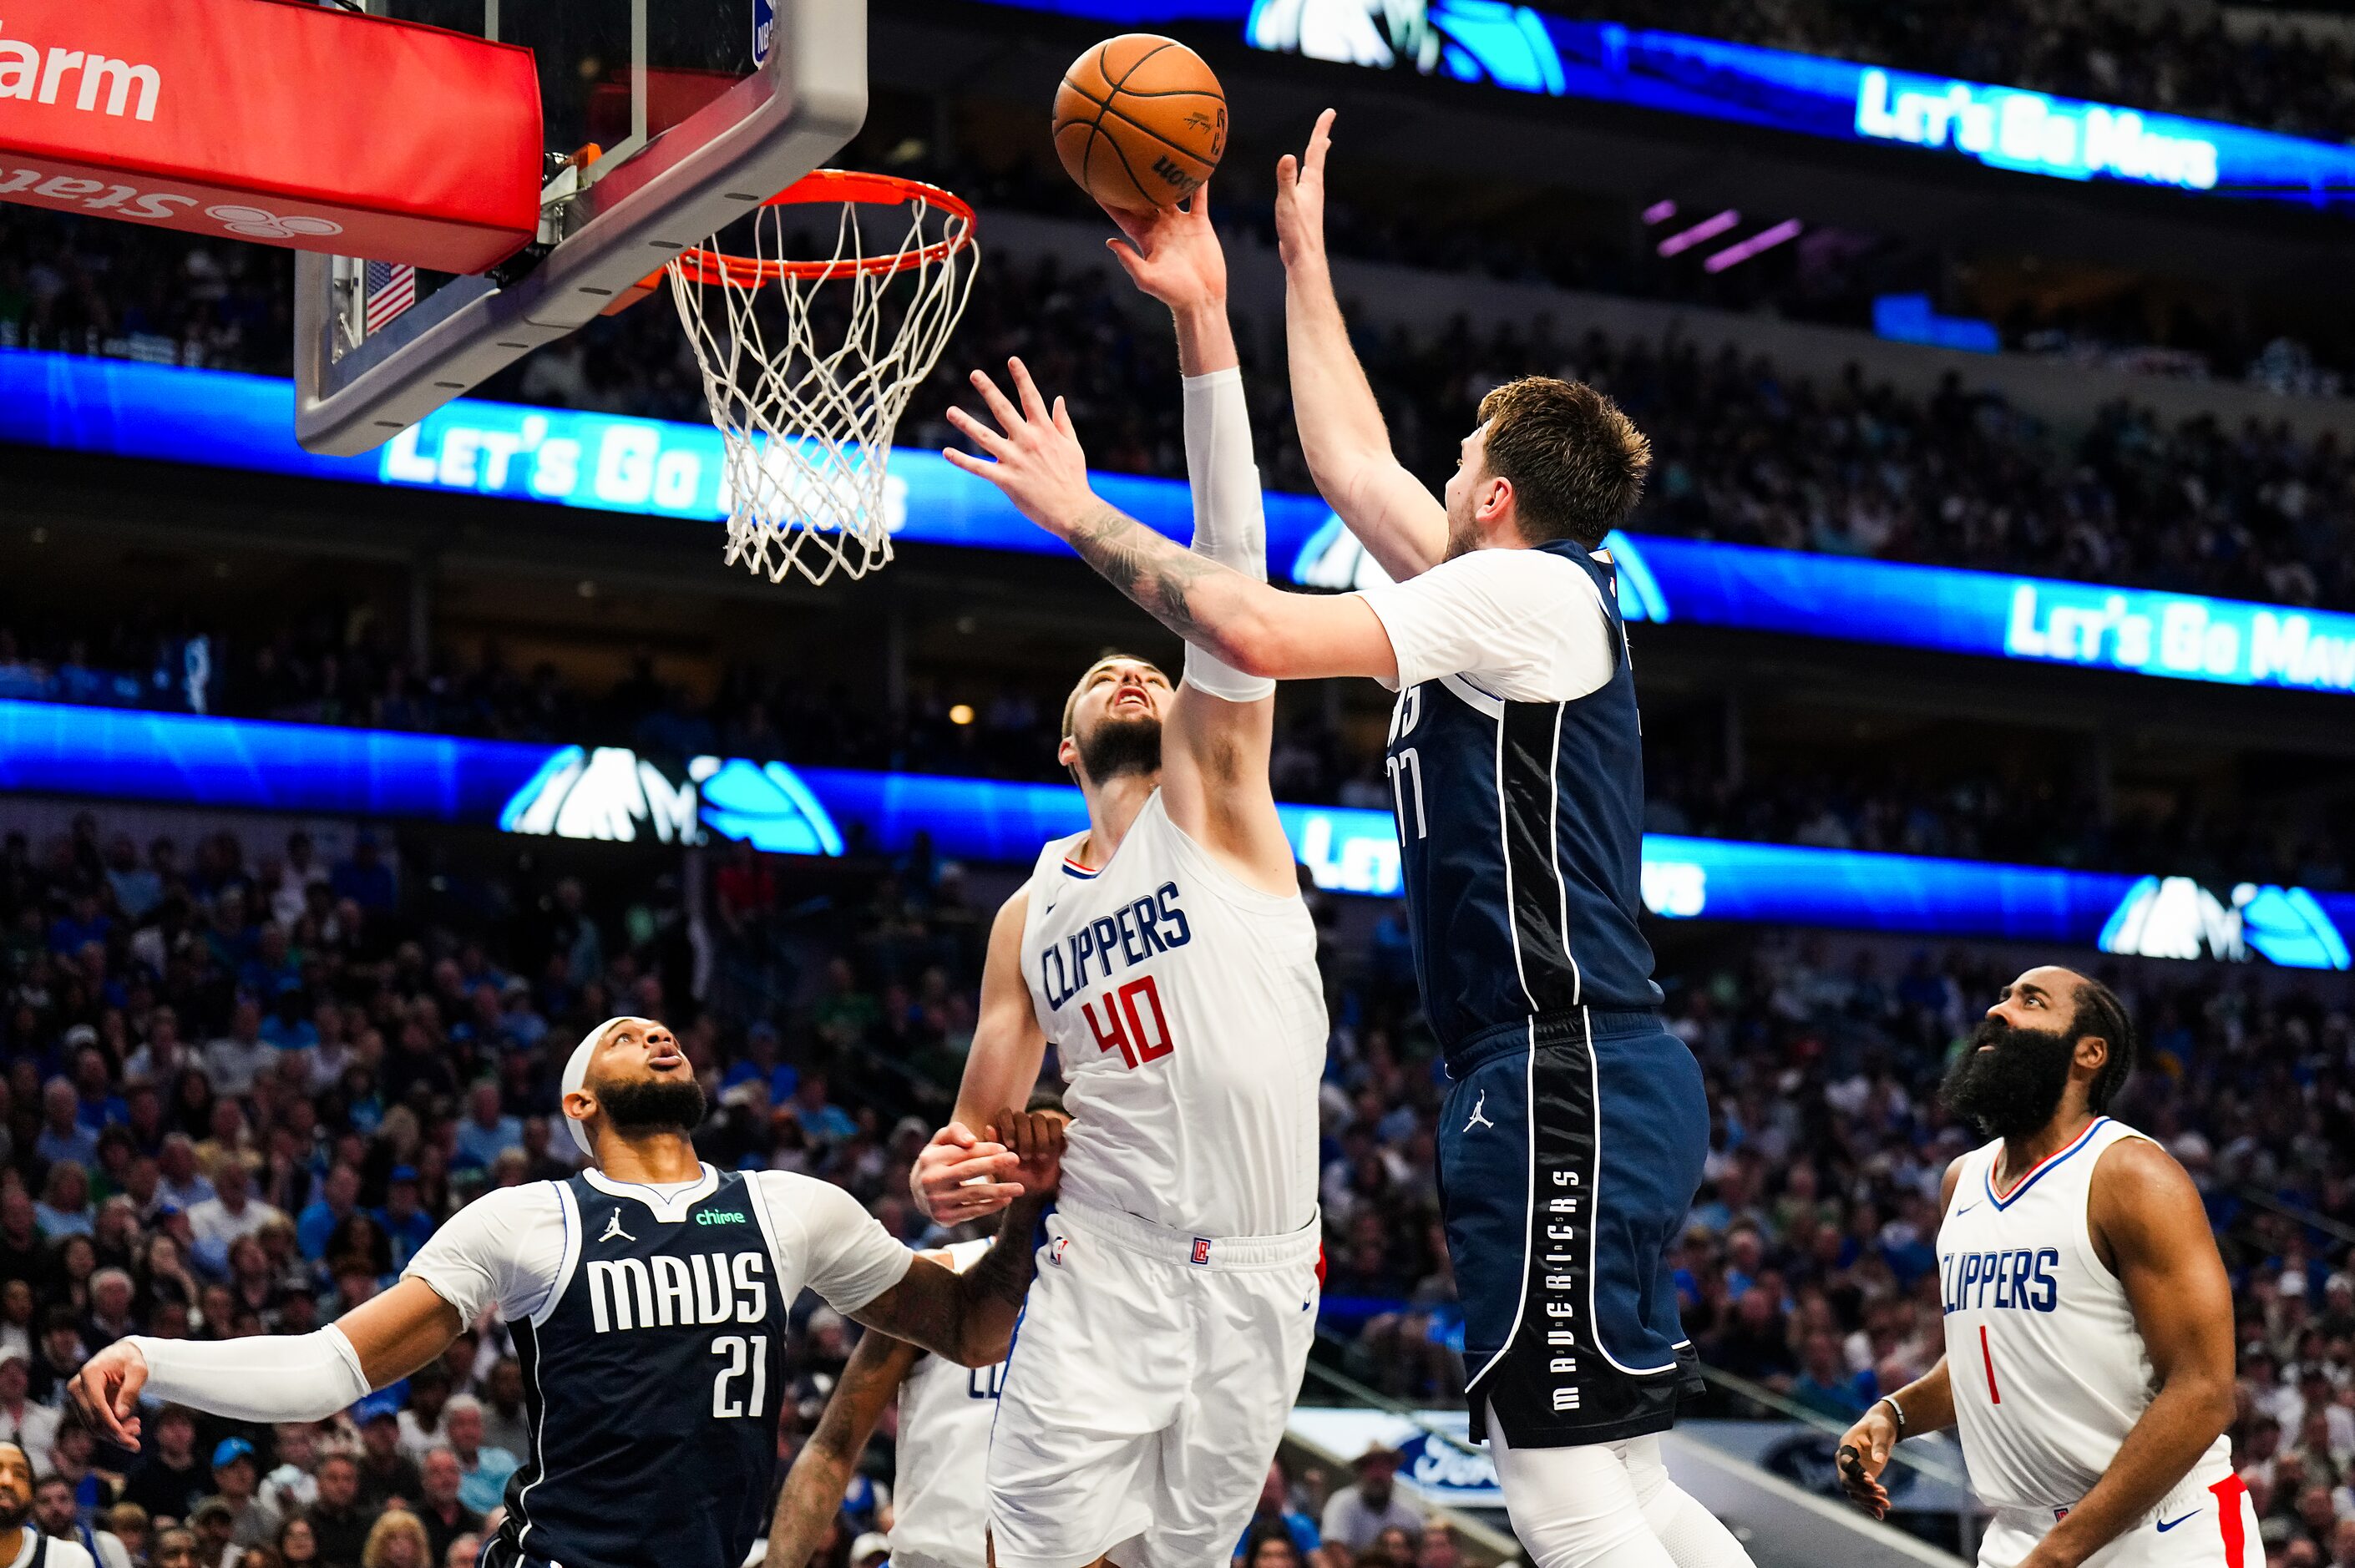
[[649, 1298], [1577, 1126], [2089, 1322]]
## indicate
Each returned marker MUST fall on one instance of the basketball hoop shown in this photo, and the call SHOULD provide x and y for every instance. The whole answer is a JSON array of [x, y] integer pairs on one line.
[[809, 364]]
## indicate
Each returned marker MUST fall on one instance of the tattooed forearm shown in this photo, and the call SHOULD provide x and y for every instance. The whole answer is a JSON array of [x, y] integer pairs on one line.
[[1166, 581]]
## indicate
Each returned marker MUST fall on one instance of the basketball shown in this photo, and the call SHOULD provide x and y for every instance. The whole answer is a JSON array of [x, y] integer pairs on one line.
[[1140, 121]]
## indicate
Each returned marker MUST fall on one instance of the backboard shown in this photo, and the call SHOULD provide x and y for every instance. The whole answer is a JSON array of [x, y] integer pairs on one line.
[[702, 110]]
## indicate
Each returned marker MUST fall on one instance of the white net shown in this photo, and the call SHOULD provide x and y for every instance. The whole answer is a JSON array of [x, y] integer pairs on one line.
[[809, 359]]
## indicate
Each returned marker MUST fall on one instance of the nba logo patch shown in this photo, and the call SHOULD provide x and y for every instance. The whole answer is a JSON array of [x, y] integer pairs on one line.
[[1055, 1253], [2059, 1514], [1202, 1250]]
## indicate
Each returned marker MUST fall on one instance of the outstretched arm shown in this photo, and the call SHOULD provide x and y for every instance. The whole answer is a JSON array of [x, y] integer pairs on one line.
[[2151, 1227], [967, 1171], [1341, 430], [1221, 726], [969, 1318], [814, 1486], [1034, 456], [301, 1377]]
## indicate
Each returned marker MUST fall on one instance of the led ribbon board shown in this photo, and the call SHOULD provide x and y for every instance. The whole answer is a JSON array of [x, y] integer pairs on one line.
[[614, 795], [2008, 128], [649, 466]]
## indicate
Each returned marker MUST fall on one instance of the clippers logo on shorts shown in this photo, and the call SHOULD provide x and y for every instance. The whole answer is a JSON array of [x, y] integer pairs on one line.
[[1202, 1251]]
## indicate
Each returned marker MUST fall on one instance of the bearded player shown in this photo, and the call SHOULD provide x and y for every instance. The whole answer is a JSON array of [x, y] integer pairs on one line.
[[650, 1298], [1166, 953], [2089, 1322]]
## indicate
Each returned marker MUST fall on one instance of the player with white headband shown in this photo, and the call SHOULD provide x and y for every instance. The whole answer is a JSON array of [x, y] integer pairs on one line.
[[649, 1298]]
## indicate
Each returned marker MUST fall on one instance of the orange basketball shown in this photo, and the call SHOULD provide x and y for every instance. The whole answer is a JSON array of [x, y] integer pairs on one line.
[[1140, 121]]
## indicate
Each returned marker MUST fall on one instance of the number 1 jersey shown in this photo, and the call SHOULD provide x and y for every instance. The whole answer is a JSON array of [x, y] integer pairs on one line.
[[1190, 1019]]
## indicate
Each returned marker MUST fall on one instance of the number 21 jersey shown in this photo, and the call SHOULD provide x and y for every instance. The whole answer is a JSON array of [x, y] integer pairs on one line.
[[1190, 1019]]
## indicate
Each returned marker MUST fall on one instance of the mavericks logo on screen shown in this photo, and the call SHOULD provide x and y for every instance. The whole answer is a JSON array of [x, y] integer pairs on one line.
[[613, 794]]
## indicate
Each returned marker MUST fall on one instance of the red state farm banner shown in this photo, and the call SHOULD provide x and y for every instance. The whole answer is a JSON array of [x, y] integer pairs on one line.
[[282, 124]]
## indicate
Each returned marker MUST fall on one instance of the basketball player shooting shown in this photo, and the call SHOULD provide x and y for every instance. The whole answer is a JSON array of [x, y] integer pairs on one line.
[[1166, 953], [649, 1297], [1576, 1127], [2089, 1322]]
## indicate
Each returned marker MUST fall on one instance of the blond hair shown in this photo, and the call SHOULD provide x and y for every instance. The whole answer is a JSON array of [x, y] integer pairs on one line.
[[391, 1522]]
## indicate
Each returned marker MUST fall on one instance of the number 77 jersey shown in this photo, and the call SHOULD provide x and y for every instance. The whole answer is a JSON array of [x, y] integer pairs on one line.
[[1188, 1014]]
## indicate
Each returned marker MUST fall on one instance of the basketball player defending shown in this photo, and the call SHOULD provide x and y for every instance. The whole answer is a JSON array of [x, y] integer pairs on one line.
[[1576, 1130], [940, 1500], [1166, 953], [649, 1298], [2089, 1322]]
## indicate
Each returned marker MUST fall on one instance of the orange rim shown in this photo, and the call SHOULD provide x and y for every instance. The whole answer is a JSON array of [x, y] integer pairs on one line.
[[710, 268]]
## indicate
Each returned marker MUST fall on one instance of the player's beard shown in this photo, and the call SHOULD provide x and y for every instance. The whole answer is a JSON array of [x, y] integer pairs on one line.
[[1119, 745], [13, 1515], [1462, 533], [653, 1105], [2011, 1089]]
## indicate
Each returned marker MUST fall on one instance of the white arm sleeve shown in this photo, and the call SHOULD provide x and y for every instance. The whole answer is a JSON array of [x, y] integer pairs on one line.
[[1230, 517], [265, 1377]]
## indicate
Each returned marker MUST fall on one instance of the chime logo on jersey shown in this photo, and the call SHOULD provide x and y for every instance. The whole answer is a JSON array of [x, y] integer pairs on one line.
[[1126, 936], [2015, 1280], [669, 1292]]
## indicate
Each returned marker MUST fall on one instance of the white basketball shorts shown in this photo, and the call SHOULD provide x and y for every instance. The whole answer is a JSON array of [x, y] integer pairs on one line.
[[2207, 1521], [1147, 1390]]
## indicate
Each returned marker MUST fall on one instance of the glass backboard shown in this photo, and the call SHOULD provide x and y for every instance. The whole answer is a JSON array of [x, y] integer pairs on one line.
[[698, 110]]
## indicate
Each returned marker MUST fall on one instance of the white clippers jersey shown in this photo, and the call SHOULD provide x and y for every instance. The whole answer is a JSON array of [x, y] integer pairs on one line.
[[1190, 1019], [942, 1488], [2049, 1371]]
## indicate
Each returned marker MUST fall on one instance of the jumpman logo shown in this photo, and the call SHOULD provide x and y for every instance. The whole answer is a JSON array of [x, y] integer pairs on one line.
[[613, 1228], [1477, 1119]]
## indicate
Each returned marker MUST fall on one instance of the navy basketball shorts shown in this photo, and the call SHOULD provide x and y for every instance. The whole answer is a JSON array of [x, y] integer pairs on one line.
[[1570, 1147]]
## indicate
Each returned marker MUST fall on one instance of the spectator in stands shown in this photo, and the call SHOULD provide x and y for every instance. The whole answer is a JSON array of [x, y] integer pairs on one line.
[[232, 1060], [31, 1426], [406, 1225], [445, 1515], [1357, 1513], [338, 1519], [169, 1479], [61, 1516], [386, 1474], [65, 1138], [231, 1214], [1275, 1515], [483, 1467], [253, 1520], [398, 1539], [506, 1422], [488, 1130]]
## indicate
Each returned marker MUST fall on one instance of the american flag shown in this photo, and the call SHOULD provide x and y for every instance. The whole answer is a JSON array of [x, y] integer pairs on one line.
[[390, 291]]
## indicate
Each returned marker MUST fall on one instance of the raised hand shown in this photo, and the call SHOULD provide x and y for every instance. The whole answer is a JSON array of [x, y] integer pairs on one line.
[[1300, 197], [1035, 454], [1173, 253], [959, 1177]]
